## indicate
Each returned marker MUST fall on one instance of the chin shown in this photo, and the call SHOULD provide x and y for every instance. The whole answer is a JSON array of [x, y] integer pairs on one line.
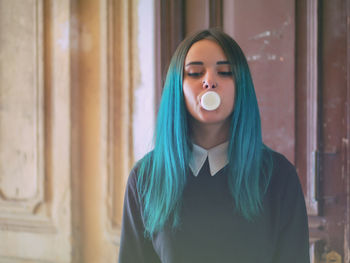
[[212, 119]]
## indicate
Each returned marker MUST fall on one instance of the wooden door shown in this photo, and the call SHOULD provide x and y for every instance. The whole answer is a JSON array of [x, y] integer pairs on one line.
[[35, 192], [66, 83]]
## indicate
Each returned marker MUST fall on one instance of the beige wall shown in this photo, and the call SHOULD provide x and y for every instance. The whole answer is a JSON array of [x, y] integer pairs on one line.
[[76, 87]]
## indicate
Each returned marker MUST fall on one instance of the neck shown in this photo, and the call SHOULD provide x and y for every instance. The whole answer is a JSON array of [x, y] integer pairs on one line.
[[209, 135]]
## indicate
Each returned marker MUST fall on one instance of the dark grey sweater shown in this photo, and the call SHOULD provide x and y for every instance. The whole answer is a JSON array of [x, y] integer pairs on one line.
[[211, 231]]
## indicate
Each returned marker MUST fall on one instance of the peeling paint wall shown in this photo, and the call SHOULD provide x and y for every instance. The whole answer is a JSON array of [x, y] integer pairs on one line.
[[265, 31]]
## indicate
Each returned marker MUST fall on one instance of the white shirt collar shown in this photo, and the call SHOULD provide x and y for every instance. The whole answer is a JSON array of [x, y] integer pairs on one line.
[[217, 157]]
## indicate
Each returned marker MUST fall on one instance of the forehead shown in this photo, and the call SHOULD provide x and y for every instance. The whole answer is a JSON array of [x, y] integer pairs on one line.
[[205, 50]]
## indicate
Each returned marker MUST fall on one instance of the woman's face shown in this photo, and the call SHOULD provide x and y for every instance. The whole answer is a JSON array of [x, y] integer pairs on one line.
[[207, 68]]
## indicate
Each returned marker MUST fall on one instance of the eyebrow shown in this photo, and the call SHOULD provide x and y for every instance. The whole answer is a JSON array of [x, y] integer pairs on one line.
[[225, 62], [194, 63], [222, 62]]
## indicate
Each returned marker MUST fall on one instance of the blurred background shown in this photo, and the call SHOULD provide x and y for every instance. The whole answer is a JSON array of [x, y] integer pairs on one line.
[[80, 84]]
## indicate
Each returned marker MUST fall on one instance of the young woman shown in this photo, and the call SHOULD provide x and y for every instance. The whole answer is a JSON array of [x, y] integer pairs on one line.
[[211, 191]]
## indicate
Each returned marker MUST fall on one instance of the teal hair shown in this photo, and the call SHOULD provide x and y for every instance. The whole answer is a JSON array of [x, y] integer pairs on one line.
[[162, 174]]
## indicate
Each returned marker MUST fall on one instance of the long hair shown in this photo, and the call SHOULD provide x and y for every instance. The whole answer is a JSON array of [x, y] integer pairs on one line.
[[162, 174]]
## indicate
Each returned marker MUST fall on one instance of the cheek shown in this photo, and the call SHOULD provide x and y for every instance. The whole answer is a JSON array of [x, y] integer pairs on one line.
[[189, 95], [230, 99], [233, 97]]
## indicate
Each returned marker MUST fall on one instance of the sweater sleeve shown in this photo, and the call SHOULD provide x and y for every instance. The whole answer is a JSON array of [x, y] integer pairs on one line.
[[134, 247], [293, 240]]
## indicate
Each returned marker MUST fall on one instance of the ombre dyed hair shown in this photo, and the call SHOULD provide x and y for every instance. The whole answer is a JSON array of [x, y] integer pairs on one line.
[[163, 173]]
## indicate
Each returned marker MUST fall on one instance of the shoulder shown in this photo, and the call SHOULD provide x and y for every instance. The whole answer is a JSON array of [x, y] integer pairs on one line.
[[284, 176], [141, 165], [281, 164], [144, 162]]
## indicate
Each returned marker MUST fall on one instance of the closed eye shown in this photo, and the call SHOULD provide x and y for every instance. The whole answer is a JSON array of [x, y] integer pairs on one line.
[[225, 73], [194, 74]]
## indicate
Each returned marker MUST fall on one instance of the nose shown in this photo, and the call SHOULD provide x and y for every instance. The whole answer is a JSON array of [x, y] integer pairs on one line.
[[209, 84]]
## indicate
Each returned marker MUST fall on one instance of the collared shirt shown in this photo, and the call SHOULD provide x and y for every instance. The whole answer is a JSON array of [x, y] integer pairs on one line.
[[217, 157], [212, 230]]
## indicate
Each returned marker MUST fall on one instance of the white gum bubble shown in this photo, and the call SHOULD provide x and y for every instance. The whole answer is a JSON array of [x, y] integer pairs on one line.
[[210, 101]]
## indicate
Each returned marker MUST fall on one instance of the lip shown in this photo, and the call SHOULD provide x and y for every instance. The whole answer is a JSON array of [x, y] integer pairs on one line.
[[210, 100]]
